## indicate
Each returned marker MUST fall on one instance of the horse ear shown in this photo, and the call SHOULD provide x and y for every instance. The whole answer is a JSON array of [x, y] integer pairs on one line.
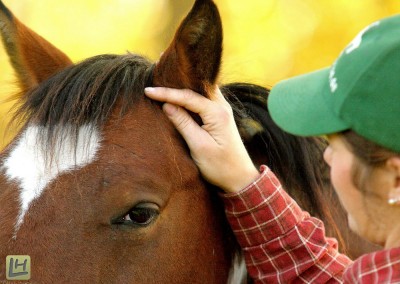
[[33, 58], [193, 58]]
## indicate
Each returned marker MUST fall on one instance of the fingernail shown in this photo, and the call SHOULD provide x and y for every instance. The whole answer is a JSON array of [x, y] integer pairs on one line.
[[149, 90], [170, 109]]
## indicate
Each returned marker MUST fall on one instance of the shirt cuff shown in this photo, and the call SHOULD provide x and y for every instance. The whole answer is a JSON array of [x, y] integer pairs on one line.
[[262, 211]]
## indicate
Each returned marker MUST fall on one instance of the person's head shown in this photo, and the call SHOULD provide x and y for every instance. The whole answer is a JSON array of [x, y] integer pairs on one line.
[[368, 157], [356, 102], [366, 177]]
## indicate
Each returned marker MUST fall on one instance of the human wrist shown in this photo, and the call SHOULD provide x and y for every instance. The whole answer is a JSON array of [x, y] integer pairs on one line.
[[241, 180]]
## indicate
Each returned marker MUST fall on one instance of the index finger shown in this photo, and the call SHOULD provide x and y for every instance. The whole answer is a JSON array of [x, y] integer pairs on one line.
[[186, 98]]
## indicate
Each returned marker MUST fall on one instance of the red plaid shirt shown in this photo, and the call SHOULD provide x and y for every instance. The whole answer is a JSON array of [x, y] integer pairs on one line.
[[283, 244]]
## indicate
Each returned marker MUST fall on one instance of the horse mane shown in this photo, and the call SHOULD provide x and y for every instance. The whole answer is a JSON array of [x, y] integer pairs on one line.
[[83, 94], [297, 161]]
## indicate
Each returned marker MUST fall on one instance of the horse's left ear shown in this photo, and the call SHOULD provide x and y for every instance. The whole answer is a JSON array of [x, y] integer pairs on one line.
[[34, 59], [193, 58]]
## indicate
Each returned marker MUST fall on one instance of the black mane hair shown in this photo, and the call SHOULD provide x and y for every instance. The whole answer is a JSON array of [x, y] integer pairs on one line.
[[83, 94]]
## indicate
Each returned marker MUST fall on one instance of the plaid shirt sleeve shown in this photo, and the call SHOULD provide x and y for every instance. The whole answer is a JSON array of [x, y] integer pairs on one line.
[[281, 243]]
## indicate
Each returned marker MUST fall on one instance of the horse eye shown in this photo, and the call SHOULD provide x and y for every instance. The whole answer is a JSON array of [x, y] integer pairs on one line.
[[141, 215]]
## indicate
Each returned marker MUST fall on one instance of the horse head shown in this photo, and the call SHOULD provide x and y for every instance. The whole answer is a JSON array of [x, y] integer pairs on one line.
[[98, 186]]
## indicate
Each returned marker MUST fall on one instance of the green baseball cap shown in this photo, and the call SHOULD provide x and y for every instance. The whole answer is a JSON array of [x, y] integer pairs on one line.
[[360, 91]]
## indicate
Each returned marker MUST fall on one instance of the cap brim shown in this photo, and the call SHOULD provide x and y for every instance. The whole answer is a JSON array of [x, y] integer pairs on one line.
[[303, 105]]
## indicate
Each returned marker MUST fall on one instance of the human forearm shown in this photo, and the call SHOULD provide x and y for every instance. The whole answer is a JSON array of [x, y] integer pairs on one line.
[[281, 243]]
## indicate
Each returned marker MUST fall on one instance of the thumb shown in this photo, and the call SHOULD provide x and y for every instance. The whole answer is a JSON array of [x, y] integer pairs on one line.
[[184, 123]]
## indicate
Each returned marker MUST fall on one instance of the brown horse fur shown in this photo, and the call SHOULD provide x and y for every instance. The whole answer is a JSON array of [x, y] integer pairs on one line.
[[73, 230]]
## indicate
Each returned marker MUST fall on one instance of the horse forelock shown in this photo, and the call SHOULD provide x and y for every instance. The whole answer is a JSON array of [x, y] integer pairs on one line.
[[80, 100], [84, 94], [64, 117]]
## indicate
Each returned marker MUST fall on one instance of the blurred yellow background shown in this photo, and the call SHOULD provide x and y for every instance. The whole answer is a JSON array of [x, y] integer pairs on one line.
[[264, 40]]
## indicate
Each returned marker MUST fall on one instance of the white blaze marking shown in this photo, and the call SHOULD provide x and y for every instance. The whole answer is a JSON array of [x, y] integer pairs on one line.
[[26, 163]]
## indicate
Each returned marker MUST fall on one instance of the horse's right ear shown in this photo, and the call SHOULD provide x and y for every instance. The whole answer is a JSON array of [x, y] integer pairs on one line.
[[193, 58], [33, 58]]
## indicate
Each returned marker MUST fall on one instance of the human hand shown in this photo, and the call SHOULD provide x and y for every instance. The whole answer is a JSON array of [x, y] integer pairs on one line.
[[216, 146]]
